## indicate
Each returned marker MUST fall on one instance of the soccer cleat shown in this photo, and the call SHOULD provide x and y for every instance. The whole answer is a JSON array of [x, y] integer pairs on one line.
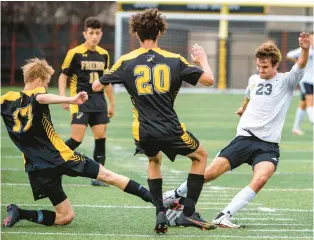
[[12, 217], [297, 132], [224, 221], [170, 198], [161, 223], [194, 221], [99, 183]]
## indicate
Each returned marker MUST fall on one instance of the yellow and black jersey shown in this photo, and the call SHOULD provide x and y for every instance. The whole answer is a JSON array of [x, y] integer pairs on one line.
[[30, 128], [153, 79], [83, 67]]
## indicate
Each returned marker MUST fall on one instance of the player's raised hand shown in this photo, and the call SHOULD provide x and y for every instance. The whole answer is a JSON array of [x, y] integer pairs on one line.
[[198, 54], [65, 106], [80, 98], [304, 41]]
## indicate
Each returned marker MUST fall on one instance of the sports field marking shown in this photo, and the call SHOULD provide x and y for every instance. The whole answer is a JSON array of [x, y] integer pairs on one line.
[[153, 235], [266, 189], [83, 206], [264, 219], [215, 203], [281, 230], [277, 224], [144, 207]]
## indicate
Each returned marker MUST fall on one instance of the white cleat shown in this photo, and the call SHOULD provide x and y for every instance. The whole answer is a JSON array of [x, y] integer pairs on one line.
[[297, 132], [224, 221], [169, 198]]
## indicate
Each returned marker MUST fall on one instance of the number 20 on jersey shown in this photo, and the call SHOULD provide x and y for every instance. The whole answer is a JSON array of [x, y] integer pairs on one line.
[[147, 79]]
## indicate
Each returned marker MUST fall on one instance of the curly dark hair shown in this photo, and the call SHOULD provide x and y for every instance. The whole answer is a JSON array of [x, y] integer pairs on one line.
[[148, 24], [268, 51], [92, 22]]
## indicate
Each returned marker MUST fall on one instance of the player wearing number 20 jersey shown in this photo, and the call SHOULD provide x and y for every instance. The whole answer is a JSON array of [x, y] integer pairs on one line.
[[157, 76]]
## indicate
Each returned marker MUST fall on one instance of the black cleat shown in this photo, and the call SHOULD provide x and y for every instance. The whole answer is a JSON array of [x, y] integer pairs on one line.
[[161, 223], [12, 217], [195, 221]]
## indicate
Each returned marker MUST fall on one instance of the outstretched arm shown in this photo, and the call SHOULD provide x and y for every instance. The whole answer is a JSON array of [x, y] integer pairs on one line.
[[62, 85], [304, 43], [79, 99], [199, 57]]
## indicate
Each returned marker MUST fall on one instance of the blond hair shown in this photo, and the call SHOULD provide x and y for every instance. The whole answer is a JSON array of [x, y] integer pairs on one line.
[[36, 68], [270, 51]]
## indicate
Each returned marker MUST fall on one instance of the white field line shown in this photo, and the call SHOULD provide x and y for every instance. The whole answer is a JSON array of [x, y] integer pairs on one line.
[[281, 230], [260, 214], [203, 191], [176, 180], [266, 189], [144, 207], [277, 224], [216, 195], [152, 235], [84, 206], [176, 172], [224, 203], [264, 219]]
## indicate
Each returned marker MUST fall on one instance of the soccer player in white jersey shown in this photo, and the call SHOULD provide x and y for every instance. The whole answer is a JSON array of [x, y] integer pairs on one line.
[[306, 88], [263, 113]]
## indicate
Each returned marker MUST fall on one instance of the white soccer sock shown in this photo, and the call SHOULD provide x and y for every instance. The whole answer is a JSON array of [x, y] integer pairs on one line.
[[245, 196], [299, 116], [310, 113], [182, 190]]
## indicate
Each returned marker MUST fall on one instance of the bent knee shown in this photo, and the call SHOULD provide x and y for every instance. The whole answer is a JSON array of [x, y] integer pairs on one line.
[[107, 176], [66, 219], [259, 181], [200, 155], [209, 176]]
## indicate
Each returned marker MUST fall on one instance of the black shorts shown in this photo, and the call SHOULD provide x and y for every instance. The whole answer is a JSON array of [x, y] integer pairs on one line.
[[48, 182], [306, 88], [90, 118], [250, 150], [181, 145]]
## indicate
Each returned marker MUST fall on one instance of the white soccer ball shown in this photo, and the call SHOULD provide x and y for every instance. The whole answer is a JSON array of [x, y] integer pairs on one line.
[[172, 216]]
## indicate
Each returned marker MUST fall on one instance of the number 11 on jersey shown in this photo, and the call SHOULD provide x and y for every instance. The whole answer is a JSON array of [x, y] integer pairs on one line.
[[93, 76]]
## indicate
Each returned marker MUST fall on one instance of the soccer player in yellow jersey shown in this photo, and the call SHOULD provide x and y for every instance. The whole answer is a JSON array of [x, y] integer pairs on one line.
[[153, 78], [83, 65], [27, 119]]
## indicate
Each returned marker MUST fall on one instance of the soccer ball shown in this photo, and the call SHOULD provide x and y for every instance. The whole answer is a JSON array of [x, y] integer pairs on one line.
[[172, 216]]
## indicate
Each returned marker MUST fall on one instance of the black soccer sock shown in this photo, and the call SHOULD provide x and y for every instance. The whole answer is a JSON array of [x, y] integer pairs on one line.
[[44, 217], [195, 185], [155, 187], [73, 144], [138, 190], [100, 151]]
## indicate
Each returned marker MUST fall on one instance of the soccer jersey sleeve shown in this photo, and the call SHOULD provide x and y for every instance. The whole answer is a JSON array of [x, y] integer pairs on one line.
[[294, 53], [294, 76], [115, 75], [67, 66], [106, 70], [189, 73]]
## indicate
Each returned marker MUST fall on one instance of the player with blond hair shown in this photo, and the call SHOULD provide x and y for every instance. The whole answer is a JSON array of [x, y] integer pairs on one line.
[[47, 158]]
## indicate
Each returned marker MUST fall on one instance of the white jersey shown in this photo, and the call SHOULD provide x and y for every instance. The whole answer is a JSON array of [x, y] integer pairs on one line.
[[309, 72], [269, 102]]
